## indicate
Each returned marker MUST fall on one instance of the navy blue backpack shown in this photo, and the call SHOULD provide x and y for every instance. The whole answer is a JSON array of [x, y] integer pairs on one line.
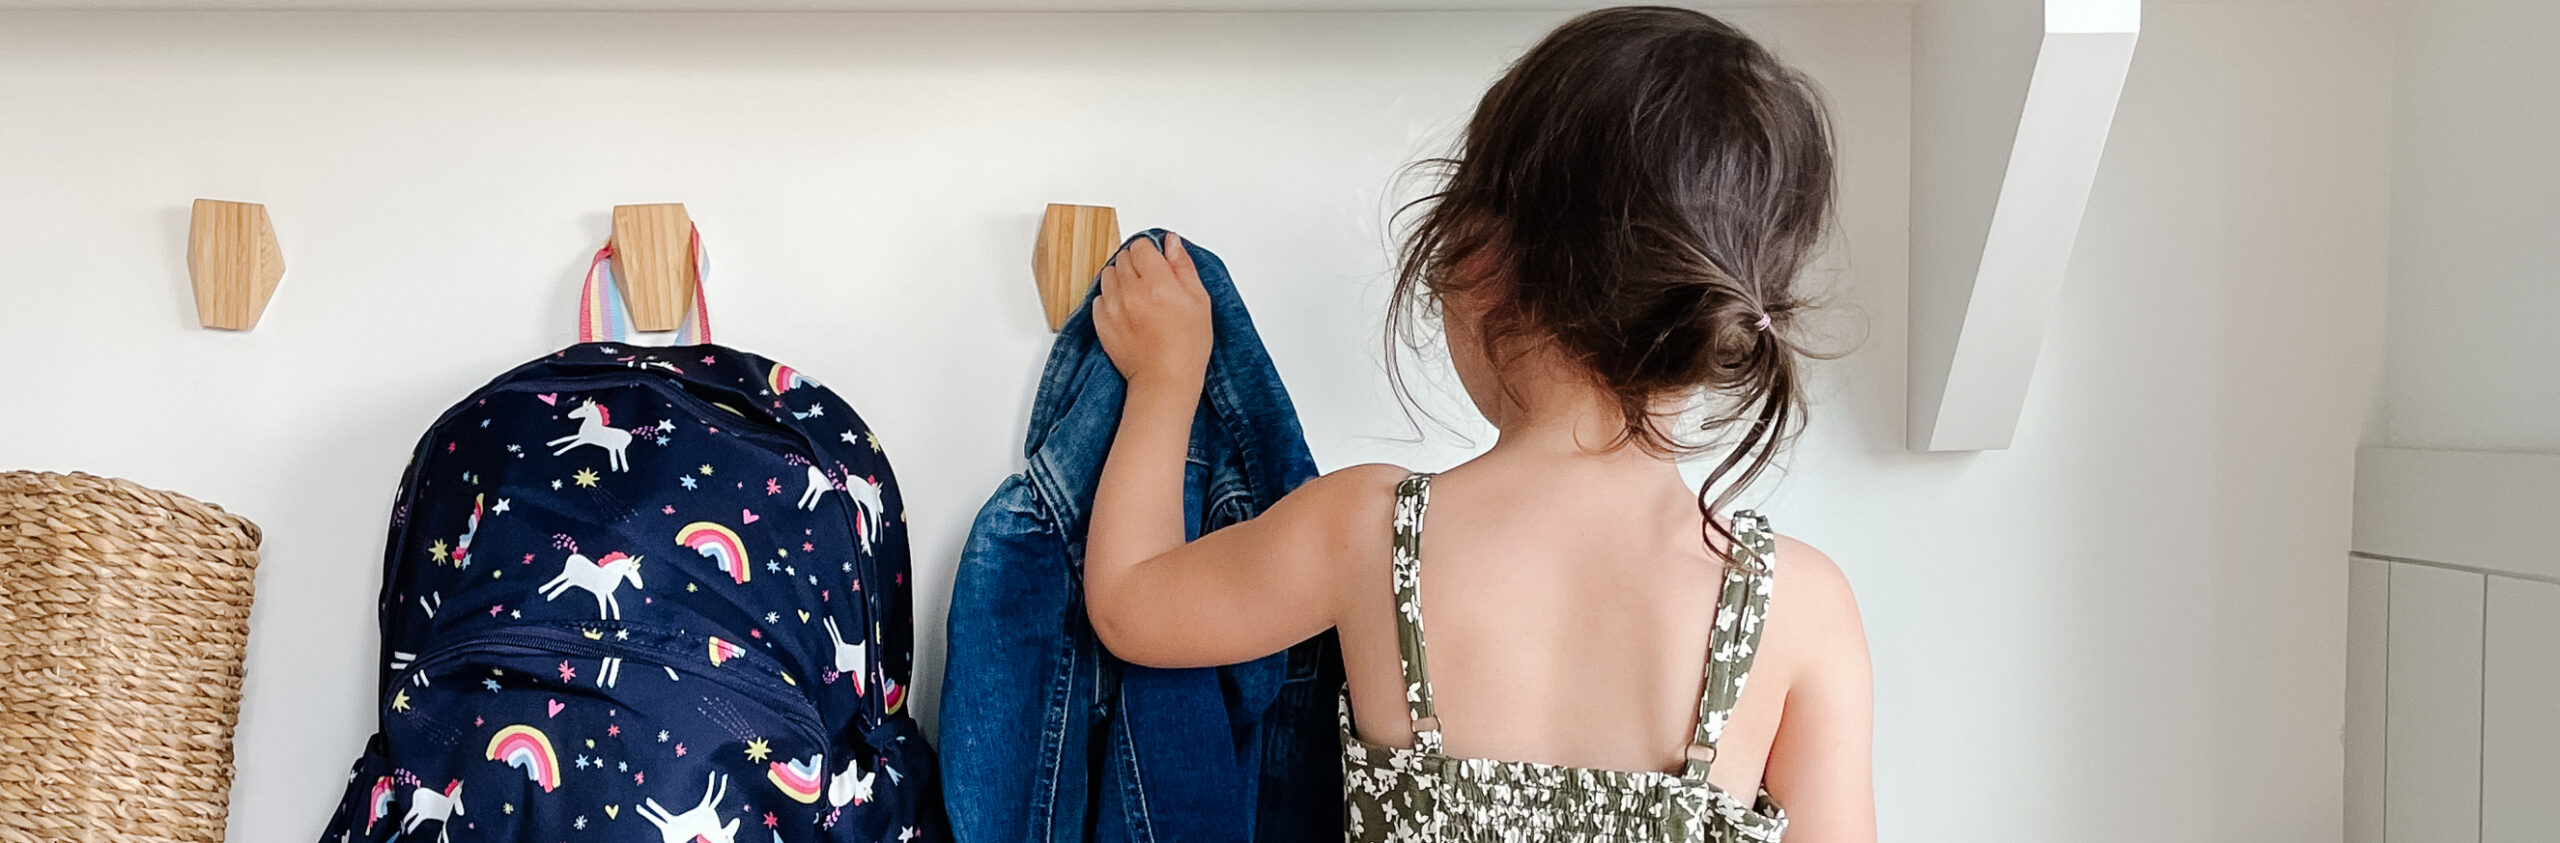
[[644, 593]]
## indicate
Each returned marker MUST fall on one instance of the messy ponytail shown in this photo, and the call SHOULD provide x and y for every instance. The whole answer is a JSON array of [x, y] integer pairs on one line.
[[1640, 191]]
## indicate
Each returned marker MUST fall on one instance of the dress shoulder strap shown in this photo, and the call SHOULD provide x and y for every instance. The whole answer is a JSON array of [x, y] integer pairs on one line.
[[1741, 606], [1413, 496]]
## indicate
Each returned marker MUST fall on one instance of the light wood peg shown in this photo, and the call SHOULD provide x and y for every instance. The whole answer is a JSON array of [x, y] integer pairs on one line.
[[1075, 240], [233, 261], [653, 263]]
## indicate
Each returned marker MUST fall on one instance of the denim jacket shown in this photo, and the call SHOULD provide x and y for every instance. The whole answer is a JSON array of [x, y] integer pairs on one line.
[[1046, 738]]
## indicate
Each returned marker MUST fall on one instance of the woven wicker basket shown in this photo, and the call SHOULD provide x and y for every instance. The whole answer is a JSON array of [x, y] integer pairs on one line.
[[123, 612]]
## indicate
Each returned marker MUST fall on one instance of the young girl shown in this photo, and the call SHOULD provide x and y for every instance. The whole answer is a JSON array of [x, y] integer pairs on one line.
[[1618, 239]]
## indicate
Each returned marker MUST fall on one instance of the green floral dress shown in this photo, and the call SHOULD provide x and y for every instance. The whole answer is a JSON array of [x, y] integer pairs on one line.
[[1420, 794]]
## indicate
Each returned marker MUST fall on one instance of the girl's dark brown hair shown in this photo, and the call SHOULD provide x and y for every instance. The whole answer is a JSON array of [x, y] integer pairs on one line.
[[1641, 191]]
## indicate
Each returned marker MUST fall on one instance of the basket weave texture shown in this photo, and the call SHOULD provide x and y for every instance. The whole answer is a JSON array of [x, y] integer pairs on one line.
[[123, 614]]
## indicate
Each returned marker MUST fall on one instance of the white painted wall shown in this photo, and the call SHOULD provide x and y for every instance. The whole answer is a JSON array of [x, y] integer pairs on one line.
[[2475, 236], [2124, 628]]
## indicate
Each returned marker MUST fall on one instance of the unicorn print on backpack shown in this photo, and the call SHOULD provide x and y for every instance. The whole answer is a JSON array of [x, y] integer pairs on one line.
[[867, 507], [700, 822], [595, 427], [818, 488], [427, 806], [462, 546], [850, 789], [600, 578], [850, 662]]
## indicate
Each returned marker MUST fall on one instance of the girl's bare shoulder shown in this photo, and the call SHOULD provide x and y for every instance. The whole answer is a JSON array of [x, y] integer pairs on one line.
[[1814, 612], [1344, 502]]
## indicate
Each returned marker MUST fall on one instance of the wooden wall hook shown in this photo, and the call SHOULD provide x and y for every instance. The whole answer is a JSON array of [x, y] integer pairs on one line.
[[1075, 240], [234, 262], [653, 263]]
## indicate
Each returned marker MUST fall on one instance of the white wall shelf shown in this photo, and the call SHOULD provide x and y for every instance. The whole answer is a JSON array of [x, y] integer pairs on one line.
[[2011, 102]]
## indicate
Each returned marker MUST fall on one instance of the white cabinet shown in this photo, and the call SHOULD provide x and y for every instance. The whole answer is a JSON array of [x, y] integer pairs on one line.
[[2368, 661], [2520, 713], [2453, 650], [2432, 734]]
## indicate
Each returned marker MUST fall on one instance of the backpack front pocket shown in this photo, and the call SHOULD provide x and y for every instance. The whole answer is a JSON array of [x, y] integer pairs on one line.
[[543, 730]]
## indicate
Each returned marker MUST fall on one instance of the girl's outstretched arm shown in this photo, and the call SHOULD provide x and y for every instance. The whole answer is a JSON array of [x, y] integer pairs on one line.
[[1237, 594]]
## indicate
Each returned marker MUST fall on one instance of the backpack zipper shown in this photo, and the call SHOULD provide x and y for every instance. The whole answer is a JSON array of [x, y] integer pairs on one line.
[[787, 700]]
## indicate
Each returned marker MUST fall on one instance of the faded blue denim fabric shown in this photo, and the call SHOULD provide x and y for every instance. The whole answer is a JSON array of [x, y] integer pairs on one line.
[[1046, 738]]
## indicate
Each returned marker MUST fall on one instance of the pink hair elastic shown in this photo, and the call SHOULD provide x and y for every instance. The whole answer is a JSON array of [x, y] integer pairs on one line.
[[1763, 325]]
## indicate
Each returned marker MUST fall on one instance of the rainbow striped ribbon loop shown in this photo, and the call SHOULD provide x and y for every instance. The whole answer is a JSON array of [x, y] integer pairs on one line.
[[603, 316]]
